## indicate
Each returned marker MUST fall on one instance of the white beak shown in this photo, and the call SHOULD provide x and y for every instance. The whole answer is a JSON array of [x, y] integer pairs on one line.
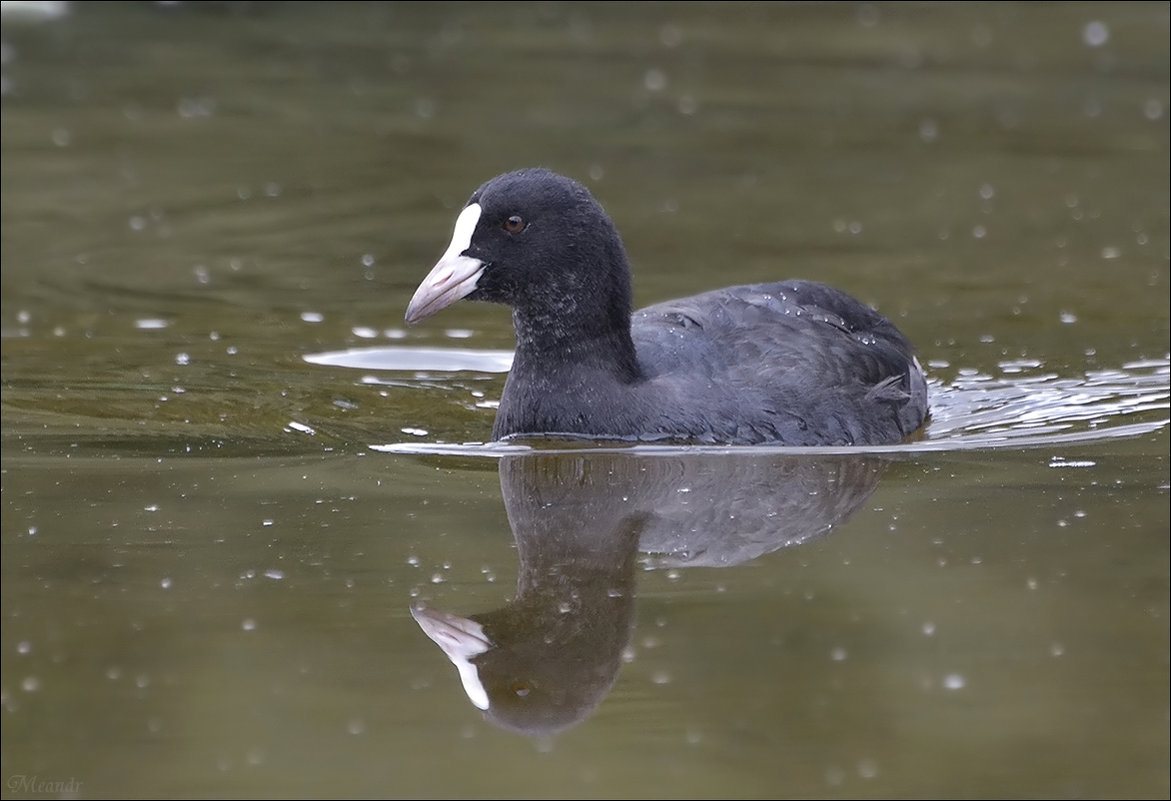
[[454, 276]]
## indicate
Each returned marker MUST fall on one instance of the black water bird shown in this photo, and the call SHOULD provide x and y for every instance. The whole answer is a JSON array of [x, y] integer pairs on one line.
[[793, 362]]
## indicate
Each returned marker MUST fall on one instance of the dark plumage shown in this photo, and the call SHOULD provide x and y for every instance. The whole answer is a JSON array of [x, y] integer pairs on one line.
[[793, 362]]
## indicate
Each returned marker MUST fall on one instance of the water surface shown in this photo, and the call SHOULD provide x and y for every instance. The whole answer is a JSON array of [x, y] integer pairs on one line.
[[230, 473]]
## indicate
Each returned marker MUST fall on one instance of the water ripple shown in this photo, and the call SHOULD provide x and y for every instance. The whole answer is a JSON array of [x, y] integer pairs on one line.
[[1024, 406]]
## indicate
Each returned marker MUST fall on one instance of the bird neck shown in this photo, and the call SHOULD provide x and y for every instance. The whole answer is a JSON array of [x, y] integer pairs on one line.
[[550, 343]]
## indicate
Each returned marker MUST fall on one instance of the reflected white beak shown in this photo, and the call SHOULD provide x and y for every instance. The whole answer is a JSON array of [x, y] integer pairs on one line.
[[461, 639], [454, 276]]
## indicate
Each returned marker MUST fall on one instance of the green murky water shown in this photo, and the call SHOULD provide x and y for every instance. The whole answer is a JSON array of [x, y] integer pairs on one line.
[[230, 473]]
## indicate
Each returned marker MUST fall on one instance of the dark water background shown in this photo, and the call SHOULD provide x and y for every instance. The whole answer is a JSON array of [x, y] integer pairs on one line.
[[213, 217]]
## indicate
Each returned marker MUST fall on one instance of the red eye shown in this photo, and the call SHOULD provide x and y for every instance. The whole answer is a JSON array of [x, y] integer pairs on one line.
[[514, 224]]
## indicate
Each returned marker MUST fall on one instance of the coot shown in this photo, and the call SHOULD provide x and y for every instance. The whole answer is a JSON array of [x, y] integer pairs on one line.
[[792, 363]]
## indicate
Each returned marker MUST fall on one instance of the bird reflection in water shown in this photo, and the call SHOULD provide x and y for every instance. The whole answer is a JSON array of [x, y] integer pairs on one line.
[[582, 521]]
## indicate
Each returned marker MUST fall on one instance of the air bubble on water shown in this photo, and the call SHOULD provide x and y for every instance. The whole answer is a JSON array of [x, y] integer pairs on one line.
[[954, 681], [655, 80], [1095, 33]]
